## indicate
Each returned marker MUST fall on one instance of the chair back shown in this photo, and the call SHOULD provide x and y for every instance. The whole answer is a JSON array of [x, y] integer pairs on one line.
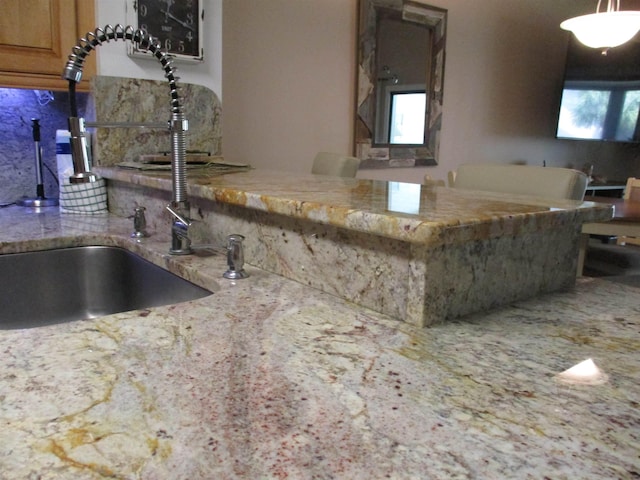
[[451, 178], [431, 182], [632, 190], [327, 163], [548, 182]]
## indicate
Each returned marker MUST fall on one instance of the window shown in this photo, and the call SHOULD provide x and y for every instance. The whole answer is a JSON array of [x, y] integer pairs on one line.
[[600, 111], [407, 117]]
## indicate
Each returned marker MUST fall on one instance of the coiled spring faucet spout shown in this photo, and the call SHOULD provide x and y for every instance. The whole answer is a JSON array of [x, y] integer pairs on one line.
[[177, 125]]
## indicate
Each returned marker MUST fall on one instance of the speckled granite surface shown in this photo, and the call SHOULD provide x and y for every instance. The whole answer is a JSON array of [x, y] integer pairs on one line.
[[119, 99], [449, 253], [271, 379], [433, 217]]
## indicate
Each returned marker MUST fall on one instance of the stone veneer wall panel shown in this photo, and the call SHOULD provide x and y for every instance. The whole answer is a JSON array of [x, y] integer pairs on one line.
[[502, 270], [368, 270], [417, 284]]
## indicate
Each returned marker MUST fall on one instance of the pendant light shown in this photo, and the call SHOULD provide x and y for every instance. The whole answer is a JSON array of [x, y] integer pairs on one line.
[[605, 29]]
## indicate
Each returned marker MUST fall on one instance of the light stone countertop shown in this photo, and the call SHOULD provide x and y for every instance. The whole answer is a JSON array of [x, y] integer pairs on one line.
[[418, 253], [269, 379], [431, 216]]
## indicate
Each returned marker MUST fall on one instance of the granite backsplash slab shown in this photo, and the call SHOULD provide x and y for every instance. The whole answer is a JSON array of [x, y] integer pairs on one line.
[[136, 100]]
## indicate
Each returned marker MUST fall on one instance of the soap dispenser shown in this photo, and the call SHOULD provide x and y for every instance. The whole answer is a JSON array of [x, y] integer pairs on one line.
[[235, 258]]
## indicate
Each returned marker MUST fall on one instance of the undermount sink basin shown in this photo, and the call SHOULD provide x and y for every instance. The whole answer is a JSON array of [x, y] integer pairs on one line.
[[55, 286]]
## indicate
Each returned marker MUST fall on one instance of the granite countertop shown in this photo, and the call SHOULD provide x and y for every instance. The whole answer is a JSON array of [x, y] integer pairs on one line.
[[270, 379], [427, 215]]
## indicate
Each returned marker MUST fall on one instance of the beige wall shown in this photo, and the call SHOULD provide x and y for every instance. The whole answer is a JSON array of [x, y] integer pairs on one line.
[[287, 72]]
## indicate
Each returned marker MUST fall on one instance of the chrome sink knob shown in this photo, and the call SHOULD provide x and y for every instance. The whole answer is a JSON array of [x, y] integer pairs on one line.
[[139, 223]]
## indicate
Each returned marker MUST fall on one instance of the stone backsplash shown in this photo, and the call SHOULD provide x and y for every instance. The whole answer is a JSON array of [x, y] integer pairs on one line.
[[17, 151], [135, 100]]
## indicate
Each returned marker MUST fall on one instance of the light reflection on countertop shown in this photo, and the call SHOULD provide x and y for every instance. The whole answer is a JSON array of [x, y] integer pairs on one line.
[[404, 197]]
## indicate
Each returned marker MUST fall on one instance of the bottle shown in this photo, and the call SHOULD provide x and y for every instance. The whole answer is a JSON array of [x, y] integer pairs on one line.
[[63, 156]]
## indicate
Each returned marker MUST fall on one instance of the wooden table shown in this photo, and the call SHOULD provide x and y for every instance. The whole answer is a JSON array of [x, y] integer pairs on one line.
[[625, 223], [625, 210]]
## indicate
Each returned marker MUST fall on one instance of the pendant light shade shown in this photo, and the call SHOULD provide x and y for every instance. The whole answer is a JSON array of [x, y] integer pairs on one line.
[[604, 29]]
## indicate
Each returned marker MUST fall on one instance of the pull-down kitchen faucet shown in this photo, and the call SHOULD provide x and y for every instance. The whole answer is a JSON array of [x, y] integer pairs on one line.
[[177, 125]]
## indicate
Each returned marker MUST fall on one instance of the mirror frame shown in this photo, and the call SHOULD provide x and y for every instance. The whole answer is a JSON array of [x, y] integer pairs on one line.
[[374, 155]]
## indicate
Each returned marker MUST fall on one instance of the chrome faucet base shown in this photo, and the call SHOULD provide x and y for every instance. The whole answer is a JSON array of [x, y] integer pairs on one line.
[[181, 251], [235, 274], [180, 241]]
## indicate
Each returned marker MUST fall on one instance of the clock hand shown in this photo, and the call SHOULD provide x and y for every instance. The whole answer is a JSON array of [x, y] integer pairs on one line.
[[167, 14], [173, 17]]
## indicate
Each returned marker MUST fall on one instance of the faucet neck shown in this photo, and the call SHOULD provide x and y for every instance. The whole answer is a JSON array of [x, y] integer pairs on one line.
[[142, 40], [178, 124]]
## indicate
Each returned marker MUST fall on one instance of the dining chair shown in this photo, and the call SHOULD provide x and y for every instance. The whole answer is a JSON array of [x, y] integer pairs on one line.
[[451, 178], [431, 182], [549, 182], [336, 164], [631, 192]]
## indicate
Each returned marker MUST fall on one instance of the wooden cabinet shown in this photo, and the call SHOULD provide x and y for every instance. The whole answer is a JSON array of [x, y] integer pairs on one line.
[[36, 37]]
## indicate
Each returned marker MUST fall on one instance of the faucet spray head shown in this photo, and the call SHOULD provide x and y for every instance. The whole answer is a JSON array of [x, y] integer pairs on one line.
[[80, 152]]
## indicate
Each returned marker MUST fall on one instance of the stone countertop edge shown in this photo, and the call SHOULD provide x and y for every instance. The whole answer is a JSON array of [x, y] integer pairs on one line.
[[360, 205]]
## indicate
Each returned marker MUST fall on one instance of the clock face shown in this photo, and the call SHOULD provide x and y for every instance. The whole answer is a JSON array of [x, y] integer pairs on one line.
[[176, 24]]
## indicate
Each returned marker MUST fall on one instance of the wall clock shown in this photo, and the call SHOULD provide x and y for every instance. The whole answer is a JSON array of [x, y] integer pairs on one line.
[[176, 24]]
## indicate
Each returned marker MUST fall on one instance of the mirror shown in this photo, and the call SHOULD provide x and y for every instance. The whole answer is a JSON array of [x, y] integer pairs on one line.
[[401, 53]]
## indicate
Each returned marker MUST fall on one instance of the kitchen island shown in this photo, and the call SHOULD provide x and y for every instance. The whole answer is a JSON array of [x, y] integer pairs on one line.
[[417, 253], [268, 378]]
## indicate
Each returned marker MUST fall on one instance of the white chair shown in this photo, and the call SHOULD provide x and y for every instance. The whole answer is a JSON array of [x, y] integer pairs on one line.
[[430, 182], [451, 178], [336, 164], [631, 192], [548, 182]]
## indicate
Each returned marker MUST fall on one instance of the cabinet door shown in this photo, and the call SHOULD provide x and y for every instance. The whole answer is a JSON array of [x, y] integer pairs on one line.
[[36, 37]]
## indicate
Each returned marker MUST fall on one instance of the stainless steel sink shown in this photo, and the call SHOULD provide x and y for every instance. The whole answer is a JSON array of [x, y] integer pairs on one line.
[[55, 286]]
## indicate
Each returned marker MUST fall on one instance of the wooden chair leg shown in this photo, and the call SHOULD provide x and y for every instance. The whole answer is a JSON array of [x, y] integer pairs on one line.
[[584, 243]]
